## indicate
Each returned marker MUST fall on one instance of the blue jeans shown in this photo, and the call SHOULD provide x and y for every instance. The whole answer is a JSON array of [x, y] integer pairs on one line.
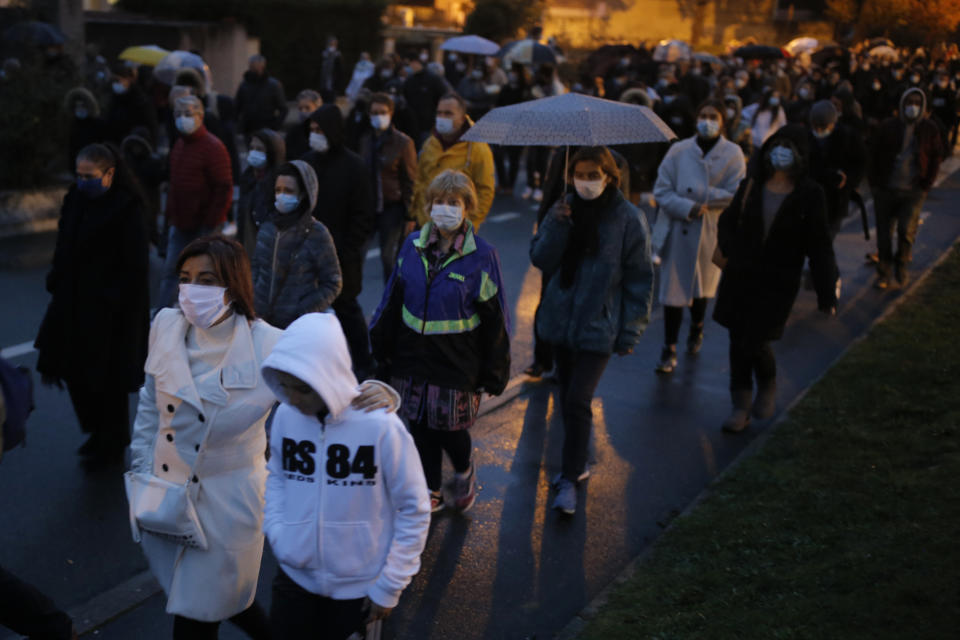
[[177, 241]]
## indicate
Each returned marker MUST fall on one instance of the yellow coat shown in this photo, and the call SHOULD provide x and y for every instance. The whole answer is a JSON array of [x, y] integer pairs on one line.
[[473, 158]]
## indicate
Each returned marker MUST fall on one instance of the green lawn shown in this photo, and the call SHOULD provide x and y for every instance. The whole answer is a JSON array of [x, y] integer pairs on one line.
[[846, 524]]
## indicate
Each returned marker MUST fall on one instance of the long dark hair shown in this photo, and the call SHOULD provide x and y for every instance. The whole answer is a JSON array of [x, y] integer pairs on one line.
[[232, 266], [106, 156]]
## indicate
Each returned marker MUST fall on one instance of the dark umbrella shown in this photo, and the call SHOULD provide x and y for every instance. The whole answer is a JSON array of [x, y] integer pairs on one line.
[[36, 33], [759, 52], [828, 54], [600, 61]]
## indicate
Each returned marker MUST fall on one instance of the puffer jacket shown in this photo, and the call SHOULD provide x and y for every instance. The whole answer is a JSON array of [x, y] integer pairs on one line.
[[607, 307], [295, 267]]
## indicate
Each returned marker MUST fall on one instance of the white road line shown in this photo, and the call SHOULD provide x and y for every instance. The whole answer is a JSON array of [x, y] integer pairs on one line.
[[503, 217], [17, 350], [373, 253]]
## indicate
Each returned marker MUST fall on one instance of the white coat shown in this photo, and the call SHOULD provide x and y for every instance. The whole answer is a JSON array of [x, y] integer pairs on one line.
[[219, 417], [687, 178]]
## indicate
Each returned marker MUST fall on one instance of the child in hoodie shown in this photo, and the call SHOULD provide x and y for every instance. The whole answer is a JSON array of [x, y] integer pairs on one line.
[[347, 507]]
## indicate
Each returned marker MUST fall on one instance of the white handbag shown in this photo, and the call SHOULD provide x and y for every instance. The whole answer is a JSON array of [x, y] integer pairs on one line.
[[164, 509]]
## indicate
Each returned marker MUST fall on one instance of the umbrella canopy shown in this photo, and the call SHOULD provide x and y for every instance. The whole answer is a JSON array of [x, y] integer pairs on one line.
[[878, 42], [802, 45], [707, 58], [884, 52], [36, 33], [148, 54], [672, 51], [829, 54], [166, 69], [759, 52], [471, 44], [570, 119], [527, 52]]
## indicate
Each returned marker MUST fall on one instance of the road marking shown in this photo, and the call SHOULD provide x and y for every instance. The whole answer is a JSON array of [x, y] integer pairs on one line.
[[503, 217], [17, 350], [373, 253]]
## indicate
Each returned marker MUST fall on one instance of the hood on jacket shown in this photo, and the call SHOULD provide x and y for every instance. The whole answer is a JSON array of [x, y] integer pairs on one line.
[[81, 94], [308, 177], [637, 96], [903, 99], [733, 100], [330, 120], [275, 144], [134, 141], [314, 349]]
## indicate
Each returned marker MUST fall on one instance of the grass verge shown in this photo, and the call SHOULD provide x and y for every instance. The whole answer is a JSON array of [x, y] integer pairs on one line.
[[845, 524]]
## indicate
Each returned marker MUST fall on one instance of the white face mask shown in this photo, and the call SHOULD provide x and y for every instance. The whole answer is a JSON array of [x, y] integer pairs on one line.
[[774, 102], [589, 189], [318, 142], [257, 158], [119, 88], [202, 304], [81, 113], [186, 125], [781, 158], [912, 111], [731, 114], [446, 216], [708, 129], [286, 202], [380, 122], [444, 126]]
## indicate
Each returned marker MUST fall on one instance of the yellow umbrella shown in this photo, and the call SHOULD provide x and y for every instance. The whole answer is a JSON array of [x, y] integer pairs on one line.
[[149, 54]]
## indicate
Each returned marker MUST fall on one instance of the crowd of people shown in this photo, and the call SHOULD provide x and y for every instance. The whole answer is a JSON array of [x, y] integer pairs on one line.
[[768, 158]]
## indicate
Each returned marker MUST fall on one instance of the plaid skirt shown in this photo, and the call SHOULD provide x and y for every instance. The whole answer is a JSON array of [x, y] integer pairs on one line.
[[436, 407]]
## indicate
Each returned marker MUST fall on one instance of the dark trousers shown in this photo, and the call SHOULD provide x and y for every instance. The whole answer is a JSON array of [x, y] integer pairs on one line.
[[27, 612], [750, 356], [350, 315], [673, 317], [431, 443], [390, 223], [537, 166], [542, 350], [898, 210], [579, 373], [502, 156], [252, 621], [103, 413], [297, 613]]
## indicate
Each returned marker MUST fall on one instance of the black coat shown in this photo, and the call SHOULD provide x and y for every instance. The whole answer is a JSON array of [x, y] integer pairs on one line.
[[98, 321], [843, 150], [762, 278], [130, 110], [345, 203], [260, 103]]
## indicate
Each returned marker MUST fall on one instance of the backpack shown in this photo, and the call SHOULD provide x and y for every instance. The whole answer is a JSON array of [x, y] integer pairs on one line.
[[16, 385]]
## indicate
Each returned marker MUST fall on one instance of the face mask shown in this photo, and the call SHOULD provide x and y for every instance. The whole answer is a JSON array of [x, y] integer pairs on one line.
[[386, 74], [897, 75], [877, 86], [676, 121], [476, 74], [912, 111], [380, 122], [452, 57], [461, 67], [286, 202], [668, 99], [424, 57], [186, 125], [774, 102], [318, 142], [731, 114], [781, 158], [696, 71], [257, 158], [447, 217], [915, 79], [589, 189], [708, 129], [444, 126], [944, 83], [822, 134], [118, 88], [865, 67], [803, 93], [92, 187], [740, 82], [202, 304], [81, 113], [662, 83]]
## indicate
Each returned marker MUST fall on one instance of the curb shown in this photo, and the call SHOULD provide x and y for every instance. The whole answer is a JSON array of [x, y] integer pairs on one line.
[[573, 628]]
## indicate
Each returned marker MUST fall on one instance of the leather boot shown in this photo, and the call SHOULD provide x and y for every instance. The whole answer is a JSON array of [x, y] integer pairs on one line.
[[765, 404], [740, 418]]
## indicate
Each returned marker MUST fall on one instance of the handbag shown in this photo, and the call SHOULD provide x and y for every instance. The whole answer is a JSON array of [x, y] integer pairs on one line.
[[164, 509], [718, 258]]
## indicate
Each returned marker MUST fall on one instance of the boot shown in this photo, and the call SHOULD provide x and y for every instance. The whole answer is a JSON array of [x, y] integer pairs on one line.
[[765, 403], [740, 418]]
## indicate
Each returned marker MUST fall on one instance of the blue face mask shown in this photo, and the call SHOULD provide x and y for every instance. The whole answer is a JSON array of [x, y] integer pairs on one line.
[[91, 187]]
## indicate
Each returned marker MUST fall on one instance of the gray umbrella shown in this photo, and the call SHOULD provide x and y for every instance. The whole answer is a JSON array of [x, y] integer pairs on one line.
[[36, 33], [571, 119]]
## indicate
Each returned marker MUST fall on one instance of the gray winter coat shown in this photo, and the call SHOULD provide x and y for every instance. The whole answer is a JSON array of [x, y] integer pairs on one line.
[[607, 307], [295, 269]]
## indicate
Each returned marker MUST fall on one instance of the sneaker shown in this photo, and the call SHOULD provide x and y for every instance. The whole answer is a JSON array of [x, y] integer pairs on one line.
[[882, 283], [901, 275], [873, 258], [583, 476], [538, 195], [695, 341], [668, 360], [765, 404], [566, 500], [465, 489], [436, 501], [527, 192]]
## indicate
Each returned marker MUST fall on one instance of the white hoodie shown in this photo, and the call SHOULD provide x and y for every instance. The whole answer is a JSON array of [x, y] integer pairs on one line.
[[347, 507]]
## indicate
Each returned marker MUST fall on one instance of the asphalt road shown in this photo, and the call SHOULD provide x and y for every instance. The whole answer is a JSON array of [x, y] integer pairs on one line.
[[510, 568]]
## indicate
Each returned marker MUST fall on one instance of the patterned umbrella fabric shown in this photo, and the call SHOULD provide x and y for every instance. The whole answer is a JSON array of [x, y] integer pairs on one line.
[[802, 45], [672, 51], [471, 44], [148, 54], [166, 69], [570, 119], [36, 33], [527, 52]]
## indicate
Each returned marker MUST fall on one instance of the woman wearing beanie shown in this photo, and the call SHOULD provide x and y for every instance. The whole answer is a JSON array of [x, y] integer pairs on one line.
[[696, 180]]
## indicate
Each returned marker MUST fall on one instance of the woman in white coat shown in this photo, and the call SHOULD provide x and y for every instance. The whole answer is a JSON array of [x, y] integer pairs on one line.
[[766, 117], [695, 182], [198, 469]]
